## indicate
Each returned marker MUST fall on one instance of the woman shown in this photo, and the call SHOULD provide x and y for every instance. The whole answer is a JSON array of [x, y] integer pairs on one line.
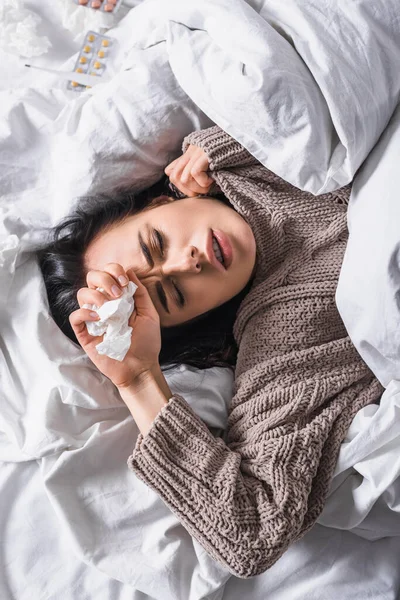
[[190, 332], [298, 379]]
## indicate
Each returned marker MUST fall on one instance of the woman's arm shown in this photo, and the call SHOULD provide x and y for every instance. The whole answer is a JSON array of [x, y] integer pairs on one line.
[[145, 397], [248, 499], [204, 153], [222, 150]]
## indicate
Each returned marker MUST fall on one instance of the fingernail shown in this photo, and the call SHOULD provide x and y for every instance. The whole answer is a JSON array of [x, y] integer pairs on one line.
[[123, 280], [116, 291], [94, 315]]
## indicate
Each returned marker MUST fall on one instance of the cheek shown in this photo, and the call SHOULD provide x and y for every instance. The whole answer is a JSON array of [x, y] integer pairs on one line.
[[204, 293], [217, 290], [246, 258]]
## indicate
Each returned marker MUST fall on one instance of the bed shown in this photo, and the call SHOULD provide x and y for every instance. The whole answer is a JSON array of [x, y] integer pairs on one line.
[[74, 521]]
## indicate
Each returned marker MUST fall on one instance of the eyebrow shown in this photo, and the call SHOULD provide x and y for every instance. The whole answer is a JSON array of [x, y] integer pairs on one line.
[[159, 288]]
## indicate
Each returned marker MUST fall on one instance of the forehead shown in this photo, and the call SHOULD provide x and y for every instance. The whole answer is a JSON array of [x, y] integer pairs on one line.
[[110, 245]]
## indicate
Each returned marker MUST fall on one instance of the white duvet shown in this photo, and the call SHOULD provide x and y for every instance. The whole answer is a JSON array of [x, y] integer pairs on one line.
[[289, 88], [307, 87]]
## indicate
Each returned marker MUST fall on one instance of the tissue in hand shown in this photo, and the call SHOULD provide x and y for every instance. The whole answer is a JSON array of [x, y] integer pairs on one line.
[[114, 316]]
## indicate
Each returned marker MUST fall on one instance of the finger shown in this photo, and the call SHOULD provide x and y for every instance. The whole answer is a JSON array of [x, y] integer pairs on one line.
[[90, 296], [171, 166], [199, 173], [177, 166], [78, 320], [101, 279], [143, 302], [118, 272], [190, 151], [203, 180], [189, 189], [175, 175], [186, 190], [187, 171], [179, 185], [176, 172], [194, 189]]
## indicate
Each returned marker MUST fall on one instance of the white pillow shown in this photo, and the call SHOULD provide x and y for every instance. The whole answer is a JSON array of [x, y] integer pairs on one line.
[[368, 294], [307, 90]]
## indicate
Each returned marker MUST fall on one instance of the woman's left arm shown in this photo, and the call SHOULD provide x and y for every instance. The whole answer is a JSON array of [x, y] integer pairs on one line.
[[246, 500], [147, 395], [206, 483]]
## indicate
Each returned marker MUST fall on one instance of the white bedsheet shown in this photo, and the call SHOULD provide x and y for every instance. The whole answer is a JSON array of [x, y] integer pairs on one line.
[[74, 522], [37, 559], [59, 410]]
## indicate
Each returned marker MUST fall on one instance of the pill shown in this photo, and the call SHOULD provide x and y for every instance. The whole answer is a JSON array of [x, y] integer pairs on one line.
[[101, 54], [83, 60], [95, 74], [108, 8], [112, 2], [83, 1], [91, 37], [97, 65], [87, 48], [74, 84], [96, 4], [105, 43], [79, 70]]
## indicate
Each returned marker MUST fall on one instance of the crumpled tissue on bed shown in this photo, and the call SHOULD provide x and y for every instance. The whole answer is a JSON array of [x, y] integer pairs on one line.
[[113, 324], [18, 27]]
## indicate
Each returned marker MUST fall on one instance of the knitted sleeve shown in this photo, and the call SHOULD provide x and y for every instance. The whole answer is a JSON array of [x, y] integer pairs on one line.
[[222, 150], [247, 500]]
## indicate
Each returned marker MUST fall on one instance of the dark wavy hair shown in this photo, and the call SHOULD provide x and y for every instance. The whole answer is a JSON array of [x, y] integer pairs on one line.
[[206, 341]]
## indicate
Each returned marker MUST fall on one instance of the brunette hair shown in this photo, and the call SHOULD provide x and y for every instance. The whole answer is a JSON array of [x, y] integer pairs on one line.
[[206, 341]]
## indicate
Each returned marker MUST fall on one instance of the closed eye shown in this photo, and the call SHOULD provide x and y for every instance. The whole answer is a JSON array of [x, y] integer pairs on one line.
[[146, 252], [178, 296], [161, 245], [181, 297], [160, 241]]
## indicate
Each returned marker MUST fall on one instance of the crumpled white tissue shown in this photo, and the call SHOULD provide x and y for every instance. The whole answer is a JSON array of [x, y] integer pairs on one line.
[[113, 324], [18, 30]]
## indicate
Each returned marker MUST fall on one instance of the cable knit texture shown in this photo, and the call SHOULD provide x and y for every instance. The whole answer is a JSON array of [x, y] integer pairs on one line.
[[298, 382]]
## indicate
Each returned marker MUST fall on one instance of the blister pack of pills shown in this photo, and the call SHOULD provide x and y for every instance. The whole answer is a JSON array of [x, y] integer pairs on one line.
[[108, 6], [92, 59]]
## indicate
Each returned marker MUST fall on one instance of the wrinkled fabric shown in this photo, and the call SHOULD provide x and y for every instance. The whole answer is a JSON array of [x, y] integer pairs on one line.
[[368, 294], [306, 87]]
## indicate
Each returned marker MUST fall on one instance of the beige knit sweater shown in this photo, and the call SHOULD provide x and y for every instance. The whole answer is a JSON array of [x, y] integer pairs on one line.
[[298, 383]]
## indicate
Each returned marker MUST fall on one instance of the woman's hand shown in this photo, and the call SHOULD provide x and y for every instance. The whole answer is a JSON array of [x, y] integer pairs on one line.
[[142, 356], [189, 172]]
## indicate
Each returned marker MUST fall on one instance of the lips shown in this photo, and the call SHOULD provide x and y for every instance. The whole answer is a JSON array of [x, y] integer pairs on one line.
[[226, 247], [211, 254], [226, 250]]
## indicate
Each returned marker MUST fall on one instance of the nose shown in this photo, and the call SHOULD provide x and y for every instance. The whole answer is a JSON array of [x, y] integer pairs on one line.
[[187, 261]]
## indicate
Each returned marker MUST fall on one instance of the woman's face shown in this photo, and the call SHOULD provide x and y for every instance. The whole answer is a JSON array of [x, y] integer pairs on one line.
[[173, 249]]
